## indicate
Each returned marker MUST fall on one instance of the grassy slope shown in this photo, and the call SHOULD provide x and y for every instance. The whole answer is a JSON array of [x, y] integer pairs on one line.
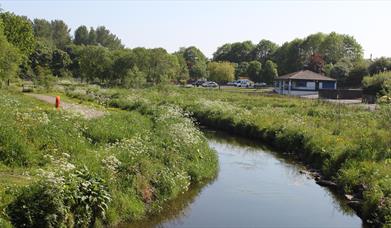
[[350, 145], [144, 159]]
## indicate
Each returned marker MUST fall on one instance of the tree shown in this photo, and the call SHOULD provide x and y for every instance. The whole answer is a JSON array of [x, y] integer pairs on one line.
[[183, 73], [357, 73], [336, 46], [161, 66], [42, 29], [341, 70], [316, 63], [92, 37], [10, 58], [60, 62], [123, 61], [19, 32], [241, 69], [41, 56], [379, 65], [134, 78], [195, 61], [105, 38], [254, 71], [235, 52], [95, 63], [263, 51], [60, 34], [269, 72], [81, 35], [311, 45], [222, 53], [221, 72], [289, 57]]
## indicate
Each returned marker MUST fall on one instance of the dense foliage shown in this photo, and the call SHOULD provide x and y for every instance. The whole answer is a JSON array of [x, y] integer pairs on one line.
[[49, 51]]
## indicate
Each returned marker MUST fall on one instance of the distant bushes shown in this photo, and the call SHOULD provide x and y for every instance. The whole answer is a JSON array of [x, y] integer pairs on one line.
[[378, 84]]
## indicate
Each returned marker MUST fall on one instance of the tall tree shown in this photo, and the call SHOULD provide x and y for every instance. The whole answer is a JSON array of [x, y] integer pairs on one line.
[[263, 51], [269, 72], [289, 57], [81, 35], [19, 32], [95, 63], [42, 29], [10, 58], [123, 61], [196, 62], [183, 73], [241, 69], [254, 71], [379, 65], [60, 34], [105, 38], [92, 36], [235, 52], [336, 47], [60, 62], [162, 66]]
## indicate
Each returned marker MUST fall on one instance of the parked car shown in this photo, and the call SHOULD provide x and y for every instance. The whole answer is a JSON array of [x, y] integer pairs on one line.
[[210, 84], [199, 82], [233, 83], [244, 83], [260, 85]]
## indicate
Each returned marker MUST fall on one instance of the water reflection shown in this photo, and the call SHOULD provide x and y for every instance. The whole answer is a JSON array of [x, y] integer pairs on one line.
[[255, 188]]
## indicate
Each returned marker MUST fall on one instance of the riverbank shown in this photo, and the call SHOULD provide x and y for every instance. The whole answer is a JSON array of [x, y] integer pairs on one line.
[[347, 145], [58, 168], [255, 187]]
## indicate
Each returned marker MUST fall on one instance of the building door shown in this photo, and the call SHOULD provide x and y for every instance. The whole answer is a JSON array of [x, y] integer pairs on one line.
[[316, 85]]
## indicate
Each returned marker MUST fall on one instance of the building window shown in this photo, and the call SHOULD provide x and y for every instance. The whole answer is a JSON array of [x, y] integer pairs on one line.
[[301, 84], [328, 85]]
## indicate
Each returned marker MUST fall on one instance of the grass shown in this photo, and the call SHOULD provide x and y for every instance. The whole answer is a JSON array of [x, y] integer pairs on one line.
[[349, 145], [134, 161]]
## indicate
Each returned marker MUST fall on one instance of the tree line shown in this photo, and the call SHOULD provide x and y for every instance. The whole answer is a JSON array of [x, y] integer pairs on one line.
[[42, 50]]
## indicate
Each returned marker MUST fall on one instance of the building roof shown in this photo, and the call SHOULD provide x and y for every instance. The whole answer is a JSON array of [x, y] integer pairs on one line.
[[305, 75]]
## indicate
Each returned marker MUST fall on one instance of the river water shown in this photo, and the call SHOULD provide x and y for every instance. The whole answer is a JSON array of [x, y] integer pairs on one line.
[[255, 187]]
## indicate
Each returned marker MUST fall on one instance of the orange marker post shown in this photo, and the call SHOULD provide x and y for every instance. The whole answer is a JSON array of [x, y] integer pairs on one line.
[[58, 102]]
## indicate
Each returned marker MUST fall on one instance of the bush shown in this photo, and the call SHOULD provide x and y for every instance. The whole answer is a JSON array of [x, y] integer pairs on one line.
[[41, 205], [378, 84]]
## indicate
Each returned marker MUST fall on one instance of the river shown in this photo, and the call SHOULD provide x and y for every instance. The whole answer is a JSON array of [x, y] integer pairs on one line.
[[255, 187]]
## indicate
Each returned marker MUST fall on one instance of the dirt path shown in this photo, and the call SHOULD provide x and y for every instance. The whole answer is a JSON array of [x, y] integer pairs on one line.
[[86, 112]]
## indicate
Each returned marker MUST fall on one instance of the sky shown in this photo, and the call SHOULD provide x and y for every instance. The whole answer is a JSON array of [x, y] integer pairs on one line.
[[209, 24]]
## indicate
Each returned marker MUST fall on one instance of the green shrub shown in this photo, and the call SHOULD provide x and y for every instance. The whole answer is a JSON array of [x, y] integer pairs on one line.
[[40, 205]]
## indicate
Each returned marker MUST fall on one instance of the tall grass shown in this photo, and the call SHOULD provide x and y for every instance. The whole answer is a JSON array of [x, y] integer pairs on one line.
[[74, 171]]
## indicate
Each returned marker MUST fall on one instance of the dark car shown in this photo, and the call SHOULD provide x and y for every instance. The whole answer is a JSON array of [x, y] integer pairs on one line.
[[199, 82]]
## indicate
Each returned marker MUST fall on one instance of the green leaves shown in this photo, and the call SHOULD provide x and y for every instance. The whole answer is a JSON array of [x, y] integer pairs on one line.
[[19, 32]]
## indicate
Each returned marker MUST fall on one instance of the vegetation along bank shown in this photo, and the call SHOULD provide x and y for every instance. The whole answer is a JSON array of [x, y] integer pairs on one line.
[[58, 169], [348, 145]]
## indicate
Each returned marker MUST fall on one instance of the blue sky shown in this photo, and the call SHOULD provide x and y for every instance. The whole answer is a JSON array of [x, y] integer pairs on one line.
[[209, 24]]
